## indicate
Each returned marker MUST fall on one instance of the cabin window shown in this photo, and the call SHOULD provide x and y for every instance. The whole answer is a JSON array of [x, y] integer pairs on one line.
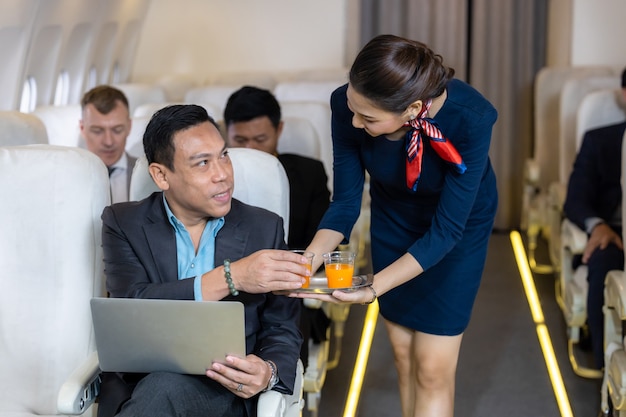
[[29, 95], [62, 91]]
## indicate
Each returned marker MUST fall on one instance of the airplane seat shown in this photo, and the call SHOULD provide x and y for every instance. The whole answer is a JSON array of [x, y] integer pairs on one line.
[[141, 117], [175, 86], [540, 170], [574, 91], [597, 108], [50, 268], [260, 180], [320, 117], [613, 391], [141, 93], [62, 123], [336, 75], [134, 140], [214, 95], [259, 79], [148, 109], [315, 91], [17, 128], [269, 190], [299, 137]]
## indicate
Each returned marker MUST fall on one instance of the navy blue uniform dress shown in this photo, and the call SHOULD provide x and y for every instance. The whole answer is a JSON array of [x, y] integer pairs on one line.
[[445, 224]]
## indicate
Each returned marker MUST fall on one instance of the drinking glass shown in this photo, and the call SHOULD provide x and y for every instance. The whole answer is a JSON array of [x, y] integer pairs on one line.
[[339, 267]]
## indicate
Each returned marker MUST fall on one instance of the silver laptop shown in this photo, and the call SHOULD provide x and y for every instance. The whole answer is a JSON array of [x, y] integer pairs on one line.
[[139, 335]]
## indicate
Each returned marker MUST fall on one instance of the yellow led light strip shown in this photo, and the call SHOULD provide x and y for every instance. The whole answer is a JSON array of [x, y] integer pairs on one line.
[[542, 331], [354, 393]]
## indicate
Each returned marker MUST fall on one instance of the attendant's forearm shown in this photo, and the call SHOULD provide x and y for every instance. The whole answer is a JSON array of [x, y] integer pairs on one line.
[[402, 270], [325, 240]]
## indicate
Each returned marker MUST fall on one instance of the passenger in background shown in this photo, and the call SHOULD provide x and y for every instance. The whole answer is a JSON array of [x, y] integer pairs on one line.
[[424, 138], [593, 203], [252, 119], [104, 126], [193, 241]]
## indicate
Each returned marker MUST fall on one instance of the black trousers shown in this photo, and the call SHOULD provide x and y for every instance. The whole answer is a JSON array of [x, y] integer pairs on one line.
[[600, 263]]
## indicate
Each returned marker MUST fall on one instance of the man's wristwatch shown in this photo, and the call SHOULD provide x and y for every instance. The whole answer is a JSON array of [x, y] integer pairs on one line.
[[273, 378]]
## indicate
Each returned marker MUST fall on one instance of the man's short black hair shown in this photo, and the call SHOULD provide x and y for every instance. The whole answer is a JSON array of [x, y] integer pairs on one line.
[[248, 103], [158, 139]]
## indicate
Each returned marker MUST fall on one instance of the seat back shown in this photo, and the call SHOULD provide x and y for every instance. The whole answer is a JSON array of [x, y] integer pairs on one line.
[[597, 109], [134, 141], [148, 109], [140, 119], [18, 128], [175, 86], [547, 91], [140, 93], [214, 95], [299, 137], [574, 91], [320, 117], [315, 91], [50, 267], [260, 180], [259, 79], [62, 123]]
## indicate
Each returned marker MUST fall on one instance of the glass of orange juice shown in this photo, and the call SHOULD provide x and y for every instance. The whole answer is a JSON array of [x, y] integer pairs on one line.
[[309, 265], [339, 267]]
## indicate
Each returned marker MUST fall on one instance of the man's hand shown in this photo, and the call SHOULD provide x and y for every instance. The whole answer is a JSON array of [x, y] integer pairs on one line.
[[601, 236], [269, 270], [244, 377]]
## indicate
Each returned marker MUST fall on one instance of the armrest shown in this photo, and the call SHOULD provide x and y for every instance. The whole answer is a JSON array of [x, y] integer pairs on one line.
[[271, 404], [81, 388], [573, 237], [615, 292], [557, 193], [275, 404]]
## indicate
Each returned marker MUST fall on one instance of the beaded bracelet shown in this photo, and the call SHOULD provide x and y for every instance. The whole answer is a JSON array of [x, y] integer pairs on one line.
[[229, 279]]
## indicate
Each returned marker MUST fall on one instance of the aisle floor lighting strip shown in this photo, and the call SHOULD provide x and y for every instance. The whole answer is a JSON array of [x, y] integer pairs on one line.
[[542, 330], [360, 365]]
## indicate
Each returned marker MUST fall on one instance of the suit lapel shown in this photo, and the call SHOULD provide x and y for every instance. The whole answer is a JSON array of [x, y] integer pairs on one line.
[[231, 240], [161, 240]]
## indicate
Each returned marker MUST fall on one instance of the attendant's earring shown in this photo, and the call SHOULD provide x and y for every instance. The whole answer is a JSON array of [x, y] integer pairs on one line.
[[412, 117]]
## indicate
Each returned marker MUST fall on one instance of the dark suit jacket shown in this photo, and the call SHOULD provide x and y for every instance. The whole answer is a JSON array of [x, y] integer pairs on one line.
[[594, 188], [139, 247], [308, 197]]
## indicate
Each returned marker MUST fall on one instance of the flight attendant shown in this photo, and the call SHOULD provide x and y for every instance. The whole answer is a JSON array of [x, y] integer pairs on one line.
[[424, 138]]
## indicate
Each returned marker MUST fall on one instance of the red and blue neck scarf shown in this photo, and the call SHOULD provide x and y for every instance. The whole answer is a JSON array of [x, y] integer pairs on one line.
[[422, 126]]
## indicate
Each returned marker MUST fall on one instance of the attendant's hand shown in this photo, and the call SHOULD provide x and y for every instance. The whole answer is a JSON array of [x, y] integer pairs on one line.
[[269, 270], [601, 236], [363, 295], [244, 377]]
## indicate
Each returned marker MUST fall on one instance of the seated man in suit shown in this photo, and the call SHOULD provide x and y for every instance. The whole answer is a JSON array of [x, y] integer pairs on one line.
[[104, 126], [593, 203], [194, 241], [252, 118]]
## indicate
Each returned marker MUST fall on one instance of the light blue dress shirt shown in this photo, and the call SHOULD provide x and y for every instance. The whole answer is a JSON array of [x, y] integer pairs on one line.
[[190, 263]]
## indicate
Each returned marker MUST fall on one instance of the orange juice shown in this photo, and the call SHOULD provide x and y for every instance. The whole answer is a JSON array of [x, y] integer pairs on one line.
[[339, 275], [309, 265], [307, 278]]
